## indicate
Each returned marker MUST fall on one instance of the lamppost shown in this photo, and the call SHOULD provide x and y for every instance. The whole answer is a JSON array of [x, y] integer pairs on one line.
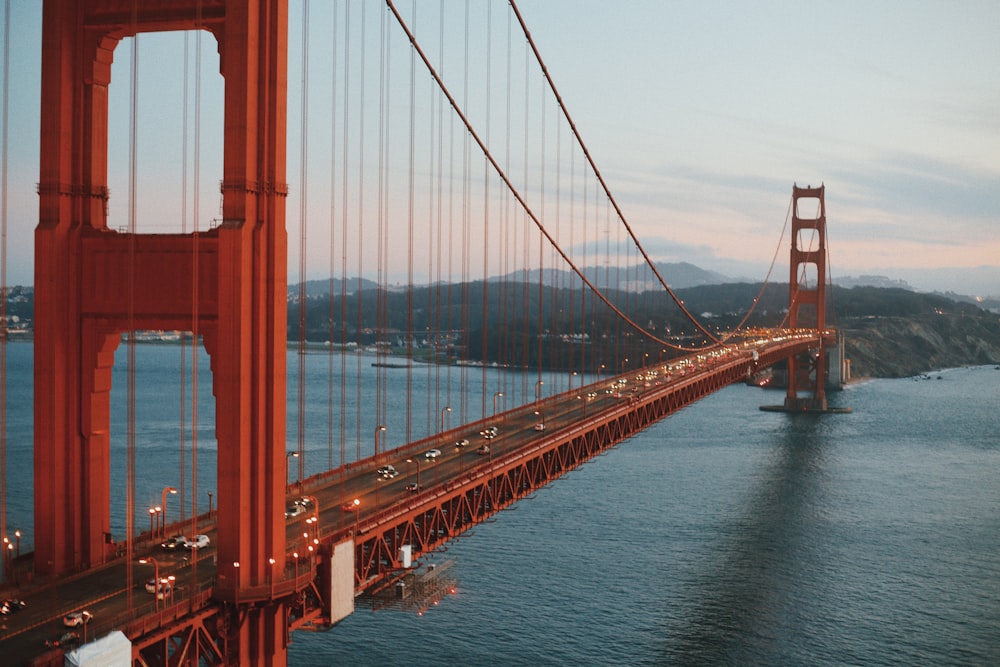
[[624, 361], [571, 376], [495, 397], [288, 464], [541, 421], [357, 515], [158, 510], [152, 514], [417, 461], [378, 429], [17, 538], [236, 581], [156, 579], [270, 574], [209, 504], [599, 369], [314, 519], [171, 583], [163, 504], [443, 411], [538, 390]]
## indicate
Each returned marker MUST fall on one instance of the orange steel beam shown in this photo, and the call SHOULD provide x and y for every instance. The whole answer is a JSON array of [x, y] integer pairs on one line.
[[92, 284]]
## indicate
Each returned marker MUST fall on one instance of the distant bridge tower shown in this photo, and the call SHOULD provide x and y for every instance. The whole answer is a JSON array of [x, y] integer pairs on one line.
[[228, 285], [807, 297]]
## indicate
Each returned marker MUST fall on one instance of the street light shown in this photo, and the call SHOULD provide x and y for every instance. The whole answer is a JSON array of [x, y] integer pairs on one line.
[[624, 361], [236, 581], [417, 461], [538, 390], [288, 464], [495, 397], [17, 537], [599, 369], [378, 429], [163, 504], [314, 519], [541, 421], [158, 510], [443, 411], [156, 579], [209, 504], [152, 514], [571, 376], [357, 515]]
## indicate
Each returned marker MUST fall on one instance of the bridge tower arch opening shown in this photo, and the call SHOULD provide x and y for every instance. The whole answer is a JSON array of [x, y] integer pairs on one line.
[[93, 283]]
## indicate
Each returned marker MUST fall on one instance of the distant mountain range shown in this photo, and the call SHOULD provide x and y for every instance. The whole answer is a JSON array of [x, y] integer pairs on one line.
[[683, 275]]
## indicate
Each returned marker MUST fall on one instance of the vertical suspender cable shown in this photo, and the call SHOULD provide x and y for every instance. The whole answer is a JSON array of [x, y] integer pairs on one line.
[[409, 237], [181, 488], [130, 308], [331, 261], [486, 206], [466, 339], [361, 220], [303, 229], [3, 274], [195, 310], [344, 237]]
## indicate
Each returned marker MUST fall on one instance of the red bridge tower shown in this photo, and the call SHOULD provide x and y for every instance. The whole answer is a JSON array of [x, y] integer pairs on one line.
[[227, 285]]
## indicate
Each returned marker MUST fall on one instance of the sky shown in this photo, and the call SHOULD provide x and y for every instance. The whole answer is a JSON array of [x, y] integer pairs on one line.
[[699, 115]]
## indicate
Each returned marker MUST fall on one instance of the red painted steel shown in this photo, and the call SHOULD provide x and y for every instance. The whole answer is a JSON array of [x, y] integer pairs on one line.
[[807, 302], [92, 284]]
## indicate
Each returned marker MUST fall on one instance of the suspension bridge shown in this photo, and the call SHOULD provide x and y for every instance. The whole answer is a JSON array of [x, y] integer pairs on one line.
[[467, 175]]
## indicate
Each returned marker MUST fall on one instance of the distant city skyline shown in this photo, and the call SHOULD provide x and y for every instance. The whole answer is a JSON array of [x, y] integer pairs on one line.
[[700, 117]]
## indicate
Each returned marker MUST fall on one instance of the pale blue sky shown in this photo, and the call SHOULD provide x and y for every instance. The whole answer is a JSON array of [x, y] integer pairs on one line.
[[700, 116]]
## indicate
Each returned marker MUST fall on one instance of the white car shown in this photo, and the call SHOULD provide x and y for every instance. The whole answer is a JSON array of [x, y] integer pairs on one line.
[[387, 472], [77, 618], [294, 510], [198, 542], [432, 453], [151, 587], [540, 426]]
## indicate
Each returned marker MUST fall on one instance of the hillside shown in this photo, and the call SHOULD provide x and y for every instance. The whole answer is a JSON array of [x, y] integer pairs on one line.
[[889, 332]]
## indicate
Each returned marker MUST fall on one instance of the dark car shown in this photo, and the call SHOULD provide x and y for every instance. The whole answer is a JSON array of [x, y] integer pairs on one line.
[[11, 606]]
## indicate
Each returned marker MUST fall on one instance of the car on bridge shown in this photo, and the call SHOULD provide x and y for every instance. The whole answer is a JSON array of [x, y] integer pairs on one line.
[[174, 543], [412, 487], [77, 618], [66, 640], [432, 453], [387, 472], [484, 449], [11, 606], [198, 542], [294, 510], [161, 591], [461, 443]]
